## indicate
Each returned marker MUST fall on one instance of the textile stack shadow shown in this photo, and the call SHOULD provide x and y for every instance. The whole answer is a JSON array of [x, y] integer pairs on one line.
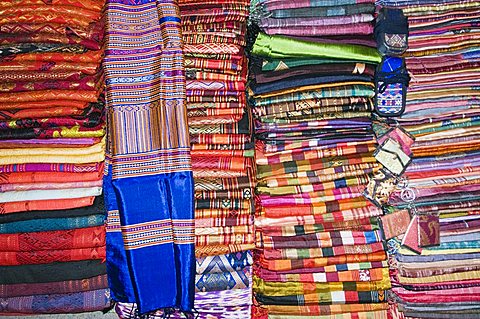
[[52, 149], [320, 252]]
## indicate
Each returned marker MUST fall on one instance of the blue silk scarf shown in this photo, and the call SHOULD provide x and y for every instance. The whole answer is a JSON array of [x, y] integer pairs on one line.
[[149, 188]]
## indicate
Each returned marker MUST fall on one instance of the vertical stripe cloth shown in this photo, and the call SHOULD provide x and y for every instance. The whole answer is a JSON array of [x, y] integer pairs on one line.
[[151, 258]]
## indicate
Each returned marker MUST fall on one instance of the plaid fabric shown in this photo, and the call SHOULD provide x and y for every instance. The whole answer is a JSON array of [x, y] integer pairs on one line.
[[329, 165], [340, 104], [364, 224], [339, 91], [322, 239], [325, 309], [374, 274], [287, 264], [302, 253], [319, 187], [297, 288], [382, 314], [320, 209], [315, 177], [339, 216], [262, 159], [326, 269], [313, 197], [326, 298]]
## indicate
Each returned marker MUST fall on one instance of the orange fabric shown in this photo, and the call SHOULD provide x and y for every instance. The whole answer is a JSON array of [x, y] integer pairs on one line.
[[320, 208]]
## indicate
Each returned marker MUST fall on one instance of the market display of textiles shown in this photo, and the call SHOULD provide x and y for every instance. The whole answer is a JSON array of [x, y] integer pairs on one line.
[[52, 151], [320, 248], [435, 264], [235, 159], [222, 158]]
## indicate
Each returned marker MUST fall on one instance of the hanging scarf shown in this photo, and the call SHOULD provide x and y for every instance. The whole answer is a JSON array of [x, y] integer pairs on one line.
[[151, 258]]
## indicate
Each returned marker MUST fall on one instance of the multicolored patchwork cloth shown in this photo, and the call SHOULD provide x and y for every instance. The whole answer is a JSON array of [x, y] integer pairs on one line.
[[318, 240]]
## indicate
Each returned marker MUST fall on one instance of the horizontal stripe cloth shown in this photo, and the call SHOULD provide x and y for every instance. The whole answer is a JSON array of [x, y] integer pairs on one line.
[[322, 239], [288, 264], [325, 298], [374, 274], [324, 309], [302, 253]]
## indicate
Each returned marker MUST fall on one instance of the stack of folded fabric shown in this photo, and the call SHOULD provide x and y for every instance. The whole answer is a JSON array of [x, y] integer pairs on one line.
[[214, 34], [52, 234], [439, 276], [320, 251]]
